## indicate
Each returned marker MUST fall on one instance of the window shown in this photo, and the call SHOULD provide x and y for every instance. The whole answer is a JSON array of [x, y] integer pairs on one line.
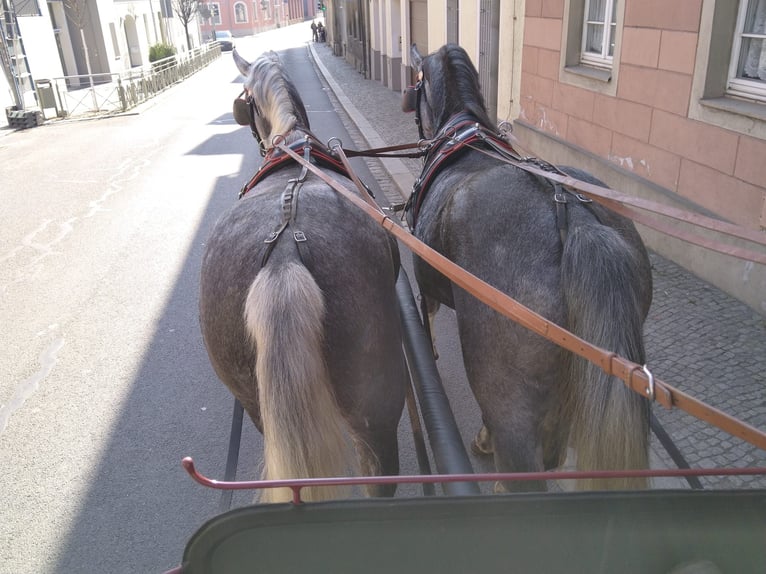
[[728, 88], [27, 8], [599, 31], [747, 73], [240, 13], [215, 12], [590, 55], [115, 44]]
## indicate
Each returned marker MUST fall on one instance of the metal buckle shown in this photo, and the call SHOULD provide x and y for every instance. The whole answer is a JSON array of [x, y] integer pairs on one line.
[[299, 236], [582, 198], [650, 390], [559, 197]]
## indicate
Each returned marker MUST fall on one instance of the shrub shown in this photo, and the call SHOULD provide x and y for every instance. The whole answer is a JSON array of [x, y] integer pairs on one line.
[[160, 51]]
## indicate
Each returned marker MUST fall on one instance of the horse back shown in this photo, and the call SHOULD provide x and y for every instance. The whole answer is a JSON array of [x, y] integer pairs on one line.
[[352, 260]]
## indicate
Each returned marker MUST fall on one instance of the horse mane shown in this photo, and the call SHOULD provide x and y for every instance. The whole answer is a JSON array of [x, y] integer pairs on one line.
[[278, 100], [451, 67]]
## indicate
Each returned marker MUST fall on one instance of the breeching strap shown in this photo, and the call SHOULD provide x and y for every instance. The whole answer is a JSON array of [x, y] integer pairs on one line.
[[633, 375]]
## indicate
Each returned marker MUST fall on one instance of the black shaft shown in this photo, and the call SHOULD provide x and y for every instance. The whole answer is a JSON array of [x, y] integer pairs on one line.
[[444, 437]]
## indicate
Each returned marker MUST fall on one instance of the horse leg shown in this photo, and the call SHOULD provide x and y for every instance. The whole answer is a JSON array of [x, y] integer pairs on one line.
[[555, 439], [379, 456], [517, 448], [556, 425], [512, 412]]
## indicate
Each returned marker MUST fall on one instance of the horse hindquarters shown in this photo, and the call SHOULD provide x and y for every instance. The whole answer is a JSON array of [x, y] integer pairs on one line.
[[601, 278], [305, 434]]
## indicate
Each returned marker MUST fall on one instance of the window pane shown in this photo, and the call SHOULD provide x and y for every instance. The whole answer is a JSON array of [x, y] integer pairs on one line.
[[752, 60], [596, 10], [755, 21], [595, 38]]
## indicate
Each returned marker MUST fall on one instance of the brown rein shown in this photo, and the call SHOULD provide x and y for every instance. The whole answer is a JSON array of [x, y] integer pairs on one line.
[[635, 376]]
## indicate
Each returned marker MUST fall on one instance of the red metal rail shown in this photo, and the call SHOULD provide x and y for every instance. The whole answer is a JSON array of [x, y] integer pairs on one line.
[[296, 485]]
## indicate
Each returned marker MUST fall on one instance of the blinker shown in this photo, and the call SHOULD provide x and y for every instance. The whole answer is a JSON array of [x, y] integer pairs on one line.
[[409, 99], [241, 111]]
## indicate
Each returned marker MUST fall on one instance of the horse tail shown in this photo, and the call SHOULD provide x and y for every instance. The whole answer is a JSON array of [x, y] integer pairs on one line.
[[305, 434], [602, 287]]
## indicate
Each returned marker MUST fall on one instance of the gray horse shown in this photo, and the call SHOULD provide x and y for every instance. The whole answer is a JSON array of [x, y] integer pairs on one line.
[[572, 261], [298, 306]]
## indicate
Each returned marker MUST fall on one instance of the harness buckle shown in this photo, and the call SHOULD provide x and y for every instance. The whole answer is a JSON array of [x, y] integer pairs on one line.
[[274, 235], [583, 199], [396, 207], [559, 197], [299, 236]]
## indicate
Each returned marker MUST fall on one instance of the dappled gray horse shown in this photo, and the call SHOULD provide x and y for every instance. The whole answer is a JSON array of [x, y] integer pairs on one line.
[[570, 260], [298, 306]]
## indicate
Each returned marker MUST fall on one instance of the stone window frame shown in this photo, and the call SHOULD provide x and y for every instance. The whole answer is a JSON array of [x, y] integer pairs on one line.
[[710, 101], [572, 70], [237, 19]]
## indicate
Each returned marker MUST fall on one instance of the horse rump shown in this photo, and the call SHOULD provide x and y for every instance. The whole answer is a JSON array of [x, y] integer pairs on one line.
[[305, 434], [602, 282]]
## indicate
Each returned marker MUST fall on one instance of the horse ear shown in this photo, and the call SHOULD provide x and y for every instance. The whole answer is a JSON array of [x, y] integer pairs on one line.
[[417, 59], [242, 65]]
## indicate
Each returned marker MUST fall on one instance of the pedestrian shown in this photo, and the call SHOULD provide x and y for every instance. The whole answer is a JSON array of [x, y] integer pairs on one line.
[[314, 35], [321, 32]]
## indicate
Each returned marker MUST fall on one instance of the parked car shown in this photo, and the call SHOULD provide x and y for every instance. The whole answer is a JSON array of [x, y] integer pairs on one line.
[[224, 38]]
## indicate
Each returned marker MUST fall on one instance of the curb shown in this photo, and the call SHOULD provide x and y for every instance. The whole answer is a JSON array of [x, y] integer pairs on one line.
[[400, 175]]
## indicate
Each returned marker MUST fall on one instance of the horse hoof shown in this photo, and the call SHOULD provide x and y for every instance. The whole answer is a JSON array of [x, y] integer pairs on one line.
[[482, 444]]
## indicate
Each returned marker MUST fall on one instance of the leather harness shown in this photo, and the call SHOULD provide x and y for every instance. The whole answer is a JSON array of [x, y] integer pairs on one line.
[[245, 111], [463, 132]]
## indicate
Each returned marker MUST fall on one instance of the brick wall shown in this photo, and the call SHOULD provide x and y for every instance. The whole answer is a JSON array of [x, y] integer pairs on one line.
[[644, 127]]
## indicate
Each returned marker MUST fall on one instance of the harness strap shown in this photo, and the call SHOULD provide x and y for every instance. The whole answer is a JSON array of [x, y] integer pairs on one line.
[[289, 207], [560, 200], [276, 160]]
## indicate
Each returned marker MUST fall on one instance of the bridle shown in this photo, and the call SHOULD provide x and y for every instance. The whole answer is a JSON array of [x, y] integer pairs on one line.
[[245, 111], [419, 95]]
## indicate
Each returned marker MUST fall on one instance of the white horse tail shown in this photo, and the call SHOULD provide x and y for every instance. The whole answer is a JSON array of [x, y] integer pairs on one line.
[[610, 422], [305, 434]]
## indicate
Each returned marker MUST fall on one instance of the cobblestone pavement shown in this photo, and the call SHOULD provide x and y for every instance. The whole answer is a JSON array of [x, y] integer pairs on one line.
[[698, 339]]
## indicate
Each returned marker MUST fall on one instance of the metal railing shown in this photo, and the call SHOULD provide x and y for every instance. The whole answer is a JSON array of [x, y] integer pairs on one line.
[[108, 93]]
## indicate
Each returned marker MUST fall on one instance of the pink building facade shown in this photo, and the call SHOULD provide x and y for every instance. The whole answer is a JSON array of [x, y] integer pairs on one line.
[[667, 111], [244, 18]]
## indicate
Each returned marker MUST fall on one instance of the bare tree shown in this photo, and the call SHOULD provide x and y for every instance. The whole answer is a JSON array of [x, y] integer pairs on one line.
[[186, 10], [78, 14]]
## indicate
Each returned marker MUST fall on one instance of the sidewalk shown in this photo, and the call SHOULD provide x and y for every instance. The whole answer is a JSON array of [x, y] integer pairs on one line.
[[698, 339]]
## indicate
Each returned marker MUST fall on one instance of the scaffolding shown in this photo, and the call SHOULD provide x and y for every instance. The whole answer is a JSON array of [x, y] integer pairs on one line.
[[13, 59]]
